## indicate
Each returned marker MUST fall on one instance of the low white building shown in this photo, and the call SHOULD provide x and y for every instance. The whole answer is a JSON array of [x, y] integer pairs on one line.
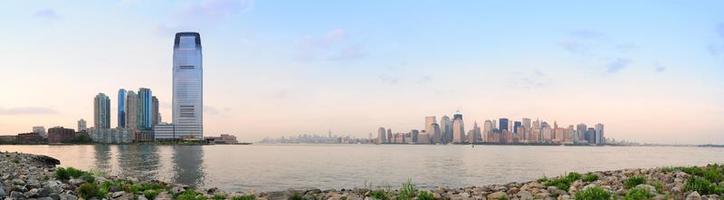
[[111, 136]]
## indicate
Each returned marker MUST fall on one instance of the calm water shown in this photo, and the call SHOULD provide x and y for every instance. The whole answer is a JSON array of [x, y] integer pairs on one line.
[[278, 167]]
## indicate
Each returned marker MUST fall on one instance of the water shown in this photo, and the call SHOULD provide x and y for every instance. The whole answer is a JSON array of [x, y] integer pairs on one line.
[[278, 167]]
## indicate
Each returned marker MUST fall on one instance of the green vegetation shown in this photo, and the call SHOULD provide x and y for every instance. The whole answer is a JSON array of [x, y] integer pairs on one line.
[[61, 174], [704, 179], [189, 195], [590, 177], [88, 190], [245, 197], [593, 193], [296, 196], [407, 191], [563, 182], [380, 195], [425, 195], [638, 193], [659, 186], [150, 194], [633, 181], [67, 173]]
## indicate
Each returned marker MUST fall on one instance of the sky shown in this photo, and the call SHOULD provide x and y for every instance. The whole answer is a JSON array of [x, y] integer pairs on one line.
[[651, 71]]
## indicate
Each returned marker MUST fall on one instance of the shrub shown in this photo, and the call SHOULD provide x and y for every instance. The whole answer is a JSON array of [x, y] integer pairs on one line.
[[379, 195], [573, 176], [407, 191], [700, 185], [88, 178], [150, 194], [245, 197], [61, 174], [633, 181], [425, 195], [190, 195], [593, 193], [590, 177], [638, 194], [296, 196], [543, 179], [659, 186], [75, 173], [87, 190]]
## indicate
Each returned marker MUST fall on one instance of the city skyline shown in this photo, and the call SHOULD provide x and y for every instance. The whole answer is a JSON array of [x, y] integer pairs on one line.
[[269, 75]]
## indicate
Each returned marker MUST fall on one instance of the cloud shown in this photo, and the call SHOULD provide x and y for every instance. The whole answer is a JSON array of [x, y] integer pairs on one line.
[[335, 45], [27, 111], [47, 14], [617, 65], [659, 68], [530, 80]]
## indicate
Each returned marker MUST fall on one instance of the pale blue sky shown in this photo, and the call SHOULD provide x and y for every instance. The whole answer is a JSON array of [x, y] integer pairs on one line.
[[650, 70]]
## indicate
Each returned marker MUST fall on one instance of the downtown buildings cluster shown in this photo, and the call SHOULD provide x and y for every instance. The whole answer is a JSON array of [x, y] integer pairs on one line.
[[138, 117], [500, 131]]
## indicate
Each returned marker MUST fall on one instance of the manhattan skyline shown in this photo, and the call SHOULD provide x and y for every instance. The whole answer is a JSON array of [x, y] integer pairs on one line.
[[273, 69]]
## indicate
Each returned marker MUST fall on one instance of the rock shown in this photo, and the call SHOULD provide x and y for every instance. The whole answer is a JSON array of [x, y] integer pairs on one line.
[[76, 181], [141, 197], [67, 197], [497, 195], [117, 194], [18, 182], [45, 198], [318, 191], [2, 192], [564, 197], [54, 196], [33, 183], [163, 196], [693, 196], [651, 189], [524, 195], [16, 195], [32, 193], [555, 191]]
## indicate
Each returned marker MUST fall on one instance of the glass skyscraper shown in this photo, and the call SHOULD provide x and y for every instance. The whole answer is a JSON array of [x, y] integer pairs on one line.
[[187, 86], [102, 111], [145, 109], [122, 108]]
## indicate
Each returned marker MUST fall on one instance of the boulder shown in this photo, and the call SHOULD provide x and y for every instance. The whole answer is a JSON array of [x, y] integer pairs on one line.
[[524, 195], [497, 195], [693, 196], [117, 194], [649, 188], [32, 193]]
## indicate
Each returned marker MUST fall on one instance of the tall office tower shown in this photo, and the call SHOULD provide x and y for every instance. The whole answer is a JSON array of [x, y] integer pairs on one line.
[[436, 135], [446, 129], [599, 134], [458, 126], [82, 127], [188, 86], [121, 108], [591, 135], [527, 123], [145, 109], [102, 111], [414, 133], [389, 136], [476, 133], [516, 125], [132, 114], [487, 131], [40, 130], [155, 115], [580, 133], [381, 135], [503, 124], [429, 120]]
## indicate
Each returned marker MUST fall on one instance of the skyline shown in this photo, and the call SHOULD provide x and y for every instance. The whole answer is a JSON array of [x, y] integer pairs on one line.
[[269, 75]]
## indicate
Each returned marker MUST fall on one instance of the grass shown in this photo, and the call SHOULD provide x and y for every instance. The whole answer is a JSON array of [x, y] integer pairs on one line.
[[633, 181], [88, 190], [407, 191], [380, 195], [66, 173], [563, 182], [150, 194], [245, 197], [190, 195], [703, 186], [593, 193], [296, 196], [425, 195], [638, 194], [590, 177]]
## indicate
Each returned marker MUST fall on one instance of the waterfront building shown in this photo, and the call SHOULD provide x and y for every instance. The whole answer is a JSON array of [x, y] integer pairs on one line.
[[413, 136], [40, 130], [458, 128], [222, 139], [446, 129], [102, 111], [475, 134], [436, 135], [155, 115], [390, 137], [516, 125], [187, 86], [423, 138], [580, 133], [59, 134], [527, 123], [547, 133], [30, 138], [112, 136], [164, 132], [600, 139], [145, 109], [591, 135], [381, 136], [121, 108], [82, 127], [503, 124], [132, 114], [487, 130]]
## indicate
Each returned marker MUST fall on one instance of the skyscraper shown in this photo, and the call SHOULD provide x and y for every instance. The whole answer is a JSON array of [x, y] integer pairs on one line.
[[132, 114], [458, 128], [429, 120], [580, 133], [102, 111], [599, 134], [436, 136], [187, 86], [503, 124], [121, 108], [145, 109], [156, 115], [446, 129], [82, 127], [516, 125], [381, 135]]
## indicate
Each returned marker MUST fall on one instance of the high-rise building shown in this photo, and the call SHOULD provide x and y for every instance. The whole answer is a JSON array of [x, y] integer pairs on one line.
[[102, 111], [436, 135], [429, 120], [132, 114], [40, 130], [381, 135], [82, 127], [446, 129], [145, 109], [487, 131], [580, 136], [458, 128], [475, 135], [527, 123], [503, 124], [516, 125], [156, 115], [599, 134], [187, 86], [121, 108]]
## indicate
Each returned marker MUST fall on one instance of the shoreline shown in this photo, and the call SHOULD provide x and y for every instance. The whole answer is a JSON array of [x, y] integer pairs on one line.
[[27, 176]]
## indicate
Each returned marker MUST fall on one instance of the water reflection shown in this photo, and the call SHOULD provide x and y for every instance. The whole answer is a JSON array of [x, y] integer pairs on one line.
[[102, 158], [188, 165], [138, 161]]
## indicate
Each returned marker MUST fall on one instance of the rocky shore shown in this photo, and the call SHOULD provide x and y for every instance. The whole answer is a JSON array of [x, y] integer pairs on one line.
[[25, 176]]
